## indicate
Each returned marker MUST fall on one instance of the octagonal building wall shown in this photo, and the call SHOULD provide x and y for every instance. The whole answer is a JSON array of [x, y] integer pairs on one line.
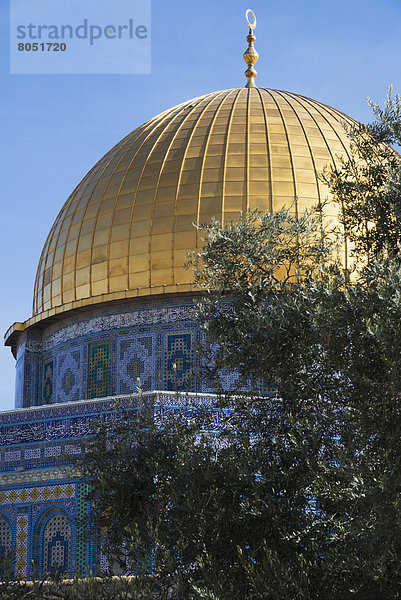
[[107, 351]]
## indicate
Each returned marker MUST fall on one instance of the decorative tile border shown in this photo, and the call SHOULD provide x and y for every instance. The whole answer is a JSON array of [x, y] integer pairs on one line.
[[21, 545], [128, 318], [37, 494], [37, 475]]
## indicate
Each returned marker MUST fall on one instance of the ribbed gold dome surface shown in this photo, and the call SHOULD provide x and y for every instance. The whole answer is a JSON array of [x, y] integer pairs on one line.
[[127, 228]]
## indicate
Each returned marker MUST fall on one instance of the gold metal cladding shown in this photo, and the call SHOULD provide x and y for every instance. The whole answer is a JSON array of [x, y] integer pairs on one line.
[[126, 229], [250, 55]]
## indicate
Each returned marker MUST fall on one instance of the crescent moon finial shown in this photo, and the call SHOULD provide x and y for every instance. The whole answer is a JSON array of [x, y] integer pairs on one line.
[[250, 55], [253, 24]]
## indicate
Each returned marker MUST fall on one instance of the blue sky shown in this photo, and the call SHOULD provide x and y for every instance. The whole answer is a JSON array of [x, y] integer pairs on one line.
[[55, 127]]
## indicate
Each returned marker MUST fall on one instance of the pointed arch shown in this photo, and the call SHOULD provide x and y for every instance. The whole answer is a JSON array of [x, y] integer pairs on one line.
[[53, 543], [6, 534]]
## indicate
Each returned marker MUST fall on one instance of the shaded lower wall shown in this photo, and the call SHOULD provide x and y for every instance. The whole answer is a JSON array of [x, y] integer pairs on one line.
[[43, 507]]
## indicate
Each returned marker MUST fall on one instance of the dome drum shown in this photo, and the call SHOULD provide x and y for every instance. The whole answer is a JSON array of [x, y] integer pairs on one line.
[[101, 352]]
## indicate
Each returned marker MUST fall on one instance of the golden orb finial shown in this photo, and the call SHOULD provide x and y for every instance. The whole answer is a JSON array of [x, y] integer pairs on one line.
[[250, 55]]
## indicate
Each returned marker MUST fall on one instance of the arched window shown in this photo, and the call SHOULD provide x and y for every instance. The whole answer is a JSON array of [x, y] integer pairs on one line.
[[56, 545], [5, 537]]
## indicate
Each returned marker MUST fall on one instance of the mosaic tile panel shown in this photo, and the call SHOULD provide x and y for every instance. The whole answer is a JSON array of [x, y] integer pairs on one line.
[[99, 369], [47, 430], [51, 429], [44, 510], [10, 513], [89, 358], [265, 386], [35, 432], [33, 382], [37, 494], [32, 453], [82, 541], [19, 382], [21, 348], [103, 559], [232, 381], [113, 365], [21, 545], [47, 413], [6, 537], [47, 382], [178, 362], [56, 546], [69, 376], [136, 360], [34, 476], [69, 449], [127, 317], [52, 451], [65, 421], [37, 455], [13, 455]]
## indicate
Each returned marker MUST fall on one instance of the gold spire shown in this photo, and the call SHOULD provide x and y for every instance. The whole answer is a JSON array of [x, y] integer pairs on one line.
[[250, 55]]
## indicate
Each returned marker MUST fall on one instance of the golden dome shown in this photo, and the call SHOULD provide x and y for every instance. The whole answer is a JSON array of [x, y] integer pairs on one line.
[[126, 229]]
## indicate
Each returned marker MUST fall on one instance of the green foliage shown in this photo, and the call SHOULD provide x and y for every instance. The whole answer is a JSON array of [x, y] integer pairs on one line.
[[262, 252], [275, 272], [332, 338], [228, 512], [368, 184]]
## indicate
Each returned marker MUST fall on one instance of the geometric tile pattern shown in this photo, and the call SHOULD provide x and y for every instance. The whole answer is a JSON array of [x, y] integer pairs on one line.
[[47, 385], [32, 392], [19, 382], [150, 314], [13, 455], [57, 546], [52, 451], [33, 476], [265, 386], [69, 376], [178, 362], [32, 453], [37, 494], [157, 347], [136, 360], [99, 370], [102, 556], [231, 380], [81, 561], [21, 546], [5, 537]]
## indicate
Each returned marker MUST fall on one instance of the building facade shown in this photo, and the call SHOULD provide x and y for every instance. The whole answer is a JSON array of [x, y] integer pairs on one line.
[[113, 302]]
